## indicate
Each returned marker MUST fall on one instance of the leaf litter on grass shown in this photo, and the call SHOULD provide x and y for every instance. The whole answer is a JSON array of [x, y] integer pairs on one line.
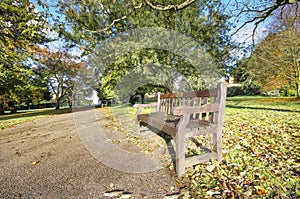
[[261, 156]]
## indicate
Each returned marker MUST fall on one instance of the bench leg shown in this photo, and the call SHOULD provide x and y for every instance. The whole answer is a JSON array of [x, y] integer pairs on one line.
[[217, 143], [180, 154], [138, 131]]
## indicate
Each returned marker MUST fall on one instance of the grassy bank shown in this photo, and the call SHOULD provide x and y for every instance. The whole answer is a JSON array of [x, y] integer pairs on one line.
[[10, 120]]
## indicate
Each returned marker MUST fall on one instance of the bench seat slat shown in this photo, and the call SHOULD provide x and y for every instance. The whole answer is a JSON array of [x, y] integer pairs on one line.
[[190, 161], [167, 124], [160, 121]]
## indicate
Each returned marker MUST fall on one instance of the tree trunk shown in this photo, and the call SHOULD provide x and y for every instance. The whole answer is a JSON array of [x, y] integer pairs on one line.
[[298, 90], [28, 105], [1, 109], [57, 106], [14, 110], [70, 103], [143, 98]]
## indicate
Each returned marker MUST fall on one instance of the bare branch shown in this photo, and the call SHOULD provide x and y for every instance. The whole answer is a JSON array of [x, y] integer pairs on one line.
[[160, 7], [152, 6], [116, 20], [243, 25], [263, 14]]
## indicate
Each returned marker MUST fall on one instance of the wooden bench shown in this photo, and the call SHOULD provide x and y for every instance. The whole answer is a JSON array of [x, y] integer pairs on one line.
[[188, 114]]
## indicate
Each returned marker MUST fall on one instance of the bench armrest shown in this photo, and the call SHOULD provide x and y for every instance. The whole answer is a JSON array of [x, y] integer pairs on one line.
[[183, 110], [141, 106], [144, 105]]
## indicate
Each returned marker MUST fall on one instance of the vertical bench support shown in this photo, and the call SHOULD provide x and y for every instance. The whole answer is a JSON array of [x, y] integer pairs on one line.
[[217, 136], [158, 102], [180, 145]]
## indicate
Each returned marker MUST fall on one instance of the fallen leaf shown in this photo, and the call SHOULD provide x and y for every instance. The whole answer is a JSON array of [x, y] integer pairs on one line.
[[172, 196], [114, 193], [211, 193], [197, 168], [210, 168], [17, 153], [125, 196], [260, 190], [172, 188], [194, 182], [35, 162]]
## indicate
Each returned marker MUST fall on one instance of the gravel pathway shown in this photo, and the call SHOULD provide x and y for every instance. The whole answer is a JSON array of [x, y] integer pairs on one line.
[[46, 158]]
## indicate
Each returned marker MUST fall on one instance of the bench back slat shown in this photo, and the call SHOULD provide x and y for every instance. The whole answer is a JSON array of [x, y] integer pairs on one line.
[[190, 94], [166, 102]]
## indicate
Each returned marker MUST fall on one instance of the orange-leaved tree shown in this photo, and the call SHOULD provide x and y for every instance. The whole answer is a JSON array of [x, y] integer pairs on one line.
[[60, 69], [275, 62]]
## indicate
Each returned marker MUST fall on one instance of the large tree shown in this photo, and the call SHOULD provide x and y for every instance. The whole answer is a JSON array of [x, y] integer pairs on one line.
[[244, 12], [59, 69], [275, 61], [21, 27], [92, 22], [23, 86]]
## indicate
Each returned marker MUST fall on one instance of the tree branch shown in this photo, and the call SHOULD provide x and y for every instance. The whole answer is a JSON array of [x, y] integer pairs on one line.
[[169, 7], [115, 21], [152, 6], [263, 14]]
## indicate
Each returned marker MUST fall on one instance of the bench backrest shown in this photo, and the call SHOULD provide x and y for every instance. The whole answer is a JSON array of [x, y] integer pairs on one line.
[[166, 102]]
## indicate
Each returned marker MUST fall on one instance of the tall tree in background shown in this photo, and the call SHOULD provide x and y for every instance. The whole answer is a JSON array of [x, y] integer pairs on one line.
[[59, 69], [91, 22], [21, 27], [243, 12], [275, 60]]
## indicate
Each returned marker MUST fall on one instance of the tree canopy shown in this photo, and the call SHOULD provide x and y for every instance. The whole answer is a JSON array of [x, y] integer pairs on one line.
[[59, 70], [274, 63], [21, 27], [93, 23]]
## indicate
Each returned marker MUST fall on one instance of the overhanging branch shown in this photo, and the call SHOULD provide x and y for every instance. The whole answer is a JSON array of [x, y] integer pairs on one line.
[[263, 14], [157, 6]]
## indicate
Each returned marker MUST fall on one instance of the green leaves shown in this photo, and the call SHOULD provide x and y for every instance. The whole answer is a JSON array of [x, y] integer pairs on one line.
[[92, 22], [21, 27]]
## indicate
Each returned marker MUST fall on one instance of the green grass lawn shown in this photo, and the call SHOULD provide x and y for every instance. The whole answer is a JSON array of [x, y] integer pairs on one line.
[[10, 120], [261, 150]]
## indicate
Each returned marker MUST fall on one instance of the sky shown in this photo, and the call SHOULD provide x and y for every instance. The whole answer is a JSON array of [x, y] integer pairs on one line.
[[245, 34]]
